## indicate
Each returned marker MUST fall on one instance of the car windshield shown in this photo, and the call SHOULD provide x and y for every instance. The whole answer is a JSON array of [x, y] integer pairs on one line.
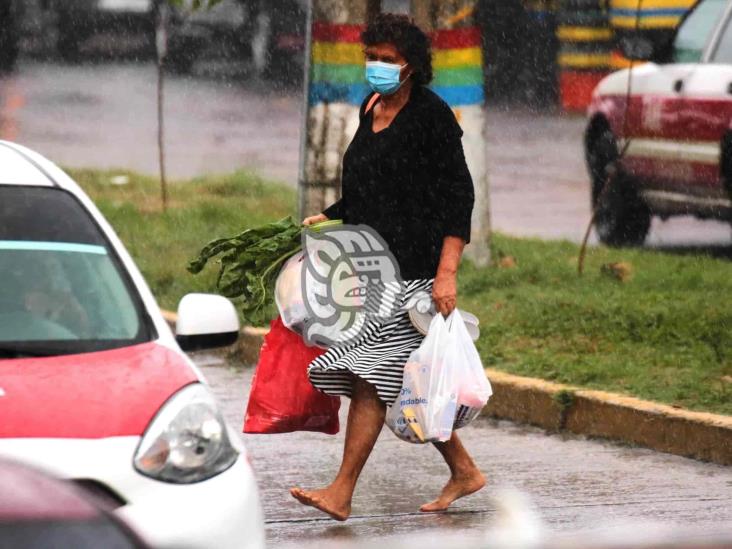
[[695, 30], [63, 288]]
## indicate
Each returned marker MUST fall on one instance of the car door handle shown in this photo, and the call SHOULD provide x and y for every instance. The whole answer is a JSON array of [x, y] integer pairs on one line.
[[678, 85], [729, 88]]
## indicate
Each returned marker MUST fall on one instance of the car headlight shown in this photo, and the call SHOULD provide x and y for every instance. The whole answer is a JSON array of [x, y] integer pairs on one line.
[[187, 441]]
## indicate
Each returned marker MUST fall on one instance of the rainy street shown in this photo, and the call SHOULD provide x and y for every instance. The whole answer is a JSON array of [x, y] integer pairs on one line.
[[223, 114], [103, 116], [576, 484]]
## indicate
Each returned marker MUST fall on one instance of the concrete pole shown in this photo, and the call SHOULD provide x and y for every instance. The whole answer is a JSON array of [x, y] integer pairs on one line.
[[335, 88], [456, 48]]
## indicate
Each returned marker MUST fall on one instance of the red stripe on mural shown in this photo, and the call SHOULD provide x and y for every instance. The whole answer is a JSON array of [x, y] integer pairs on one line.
[[466, 37], [328, 32]]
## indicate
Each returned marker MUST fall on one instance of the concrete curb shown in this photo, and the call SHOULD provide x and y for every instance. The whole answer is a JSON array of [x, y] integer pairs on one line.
[[557, 407], [660, 427]]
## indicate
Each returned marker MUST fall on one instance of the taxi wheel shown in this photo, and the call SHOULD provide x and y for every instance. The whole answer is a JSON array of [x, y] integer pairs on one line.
[[726, 164], [622, 217]]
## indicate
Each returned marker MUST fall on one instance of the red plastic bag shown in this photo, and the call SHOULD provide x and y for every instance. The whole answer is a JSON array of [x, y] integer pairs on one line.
[[282, 399]]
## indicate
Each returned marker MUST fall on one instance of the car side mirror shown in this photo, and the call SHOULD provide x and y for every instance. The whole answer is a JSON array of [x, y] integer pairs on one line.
[[206, 321], [638, 48], [654, 45]]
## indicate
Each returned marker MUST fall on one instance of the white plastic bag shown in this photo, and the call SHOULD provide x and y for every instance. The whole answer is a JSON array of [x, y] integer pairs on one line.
[[444, 386], [289, 295], [425, 409], [473, 388]]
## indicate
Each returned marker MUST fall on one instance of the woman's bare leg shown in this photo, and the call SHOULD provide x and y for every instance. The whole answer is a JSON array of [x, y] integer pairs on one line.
[[465, 477], [365, 419]]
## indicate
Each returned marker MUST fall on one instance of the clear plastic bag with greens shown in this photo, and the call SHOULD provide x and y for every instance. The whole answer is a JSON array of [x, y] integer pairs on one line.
[[250, 263]]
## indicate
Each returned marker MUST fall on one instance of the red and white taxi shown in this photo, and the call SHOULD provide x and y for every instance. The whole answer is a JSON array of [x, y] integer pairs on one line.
[[664, 128], [94, 387]]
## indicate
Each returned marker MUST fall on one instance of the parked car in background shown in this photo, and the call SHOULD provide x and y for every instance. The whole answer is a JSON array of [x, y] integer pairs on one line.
[[38, 511], [94, 387], [665, 128], [79, 20], [268, 36]]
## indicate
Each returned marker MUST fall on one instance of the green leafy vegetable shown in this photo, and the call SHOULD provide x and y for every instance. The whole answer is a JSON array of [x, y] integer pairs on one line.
[[249, 264]]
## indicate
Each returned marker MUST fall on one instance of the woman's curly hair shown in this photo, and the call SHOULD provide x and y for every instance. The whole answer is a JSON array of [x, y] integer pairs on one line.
[[407, 37]]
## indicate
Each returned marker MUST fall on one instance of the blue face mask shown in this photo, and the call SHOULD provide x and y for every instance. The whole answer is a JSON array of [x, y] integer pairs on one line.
[[383, 77]]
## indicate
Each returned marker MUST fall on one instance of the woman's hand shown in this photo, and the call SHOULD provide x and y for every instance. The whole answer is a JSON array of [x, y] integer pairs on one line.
[[314, 219], [444, 292]]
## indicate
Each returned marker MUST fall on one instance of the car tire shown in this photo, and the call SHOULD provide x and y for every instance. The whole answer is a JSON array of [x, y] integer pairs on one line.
[[725, 167], [622, 218], [181, 56], [8, 37], [69, 37]]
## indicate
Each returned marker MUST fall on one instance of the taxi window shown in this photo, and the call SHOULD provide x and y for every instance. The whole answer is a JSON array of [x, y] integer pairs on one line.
[[694, 32]]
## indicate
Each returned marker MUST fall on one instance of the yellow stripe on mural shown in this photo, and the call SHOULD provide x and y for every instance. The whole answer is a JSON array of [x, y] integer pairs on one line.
[[651, 4], [458, 57], [584, 60], [629, 22], [338, 53], [583, 34]]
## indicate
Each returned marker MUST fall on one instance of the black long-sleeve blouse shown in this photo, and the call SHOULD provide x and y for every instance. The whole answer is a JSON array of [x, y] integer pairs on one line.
[[409, 182]]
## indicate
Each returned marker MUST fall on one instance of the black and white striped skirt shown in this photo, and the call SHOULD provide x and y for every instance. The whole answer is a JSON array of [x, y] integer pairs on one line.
[[379, 357]]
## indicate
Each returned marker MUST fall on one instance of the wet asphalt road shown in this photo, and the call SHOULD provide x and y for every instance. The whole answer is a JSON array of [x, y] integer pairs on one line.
[[576, 484], [103, 115]]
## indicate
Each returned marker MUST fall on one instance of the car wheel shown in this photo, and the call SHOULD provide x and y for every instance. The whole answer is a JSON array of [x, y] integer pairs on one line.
[[726, 163], [621, 216], [261, 44], [8, 37], [181, 56], [69, 37]]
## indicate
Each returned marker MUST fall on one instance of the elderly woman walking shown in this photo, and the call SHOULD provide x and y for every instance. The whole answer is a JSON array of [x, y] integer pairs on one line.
[[404, 175]]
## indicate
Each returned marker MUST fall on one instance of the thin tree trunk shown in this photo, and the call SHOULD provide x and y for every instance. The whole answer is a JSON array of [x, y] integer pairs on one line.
[[161, 47]]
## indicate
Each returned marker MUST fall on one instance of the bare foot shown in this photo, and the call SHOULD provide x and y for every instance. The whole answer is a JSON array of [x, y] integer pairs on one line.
[[327, 500], [459, 485]]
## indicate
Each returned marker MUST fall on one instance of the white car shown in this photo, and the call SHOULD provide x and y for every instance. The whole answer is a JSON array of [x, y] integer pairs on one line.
[[95, 388]]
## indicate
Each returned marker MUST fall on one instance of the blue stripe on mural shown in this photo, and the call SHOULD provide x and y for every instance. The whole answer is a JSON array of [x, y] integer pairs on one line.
[[327, 92], [460, 95], [648, 12]]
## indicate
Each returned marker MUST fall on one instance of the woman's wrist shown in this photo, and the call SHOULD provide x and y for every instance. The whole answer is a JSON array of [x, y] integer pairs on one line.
[[446, 272]]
